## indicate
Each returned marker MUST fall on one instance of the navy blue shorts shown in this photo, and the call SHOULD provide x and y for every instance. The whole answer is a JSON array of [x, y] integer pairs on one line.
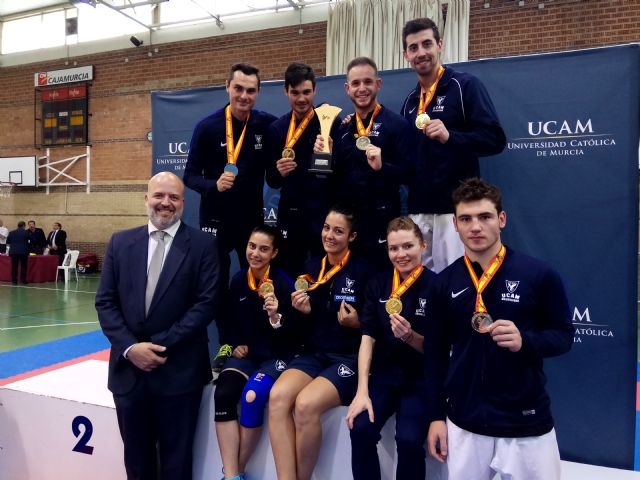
[[339, 369], [272, 367]]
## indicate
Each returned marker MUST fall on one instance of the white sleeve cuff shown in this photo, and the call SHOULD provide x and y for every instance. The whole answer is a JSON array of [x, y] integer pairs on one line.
[[278, 324]]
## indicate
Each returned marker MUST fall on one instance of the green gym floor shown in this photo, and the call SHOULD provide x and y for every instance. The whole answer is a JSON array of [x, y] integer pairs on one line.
[[43, 312]]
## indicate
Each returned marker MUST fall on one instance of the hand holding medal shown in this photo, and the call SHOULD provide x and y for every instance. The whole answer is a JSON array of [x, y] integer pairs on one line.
[[300, 301], [506, 334], [306, 283], [270, 303], [374, 156], [401, 328], [225, 181]]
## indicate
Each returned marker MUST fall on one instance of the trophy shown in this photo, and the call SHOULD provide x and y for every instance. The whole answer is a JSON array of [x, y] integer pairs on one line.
[[321, 161]]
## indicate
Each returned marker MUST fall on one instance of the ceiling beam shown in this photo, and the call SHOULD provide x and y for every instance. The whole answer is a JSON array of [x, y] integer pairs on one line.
[[121, 12]]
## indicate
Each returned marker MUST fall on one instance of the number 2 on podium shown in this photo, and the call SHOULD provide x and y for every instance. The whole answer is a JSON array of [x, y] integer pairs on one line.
[[81, 446]]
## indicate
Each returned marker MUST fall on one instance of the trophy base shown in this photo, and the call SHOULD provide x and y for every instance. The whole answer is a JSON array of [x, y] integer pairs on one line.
[[322, 163]]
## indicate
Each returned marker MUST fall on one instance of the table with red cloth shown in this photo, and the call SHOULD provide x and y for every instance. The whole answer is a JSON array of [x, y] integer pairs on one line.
[[40, 268], [87, 263]]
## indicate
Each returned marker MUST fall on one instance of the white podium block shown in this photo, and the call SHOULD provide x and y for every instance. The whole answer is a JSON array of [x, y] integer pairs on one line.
[[37, 420], [62, 424]]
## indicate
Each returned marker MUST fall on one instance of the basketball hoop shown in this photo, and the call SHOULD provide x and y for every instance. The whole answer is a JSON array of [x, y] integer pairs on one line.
[[5, 189]]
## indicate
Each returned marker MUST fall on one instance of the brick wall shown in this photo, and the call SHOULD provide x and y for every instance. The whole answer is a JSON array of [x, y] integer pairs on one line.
[[121, 108], [506, 28]]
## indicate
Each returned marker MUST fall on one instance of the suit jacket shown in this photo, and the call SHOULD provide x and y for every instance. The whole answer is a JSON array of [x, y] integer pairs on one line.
[[37, 241], [19, 242], [184, 303], [61, 242]]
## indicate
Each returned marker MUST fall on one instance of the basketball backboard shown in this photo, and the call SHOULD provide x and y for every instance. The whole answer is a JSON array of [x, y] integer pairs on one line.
[[21, 171]]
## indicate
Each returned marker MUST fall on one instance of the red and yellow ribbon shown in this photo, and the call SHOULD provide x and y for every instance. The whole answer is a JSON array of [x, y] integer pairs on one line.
[[486, 277], [322, 278], [397, 288], [294, 133], [233, 151], [252, 280], [364, 132], [427, 95]]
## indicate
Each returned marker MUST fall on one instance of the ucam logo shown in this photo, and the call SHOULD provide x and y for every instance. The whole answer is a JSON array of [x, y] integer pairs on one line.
[[584, 326], [561, 138], [439, 106], [176, 148], [510, 295], [560, 127]]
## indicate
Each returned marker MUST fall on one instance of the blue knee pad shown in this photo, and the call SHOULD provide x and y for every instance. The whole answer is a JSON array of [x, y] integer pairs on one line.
[[254, 398]]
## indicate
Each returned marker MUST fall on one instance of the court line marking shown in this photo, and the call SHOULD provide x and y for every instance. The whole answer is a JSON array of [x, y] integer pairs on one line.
[[50, 325], [62, 290]]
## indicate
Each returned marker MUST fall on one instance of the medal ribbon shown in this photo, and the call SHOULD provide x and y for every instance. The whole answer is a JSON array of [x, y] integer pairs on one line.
[[322, 278], [364, 132], [252, 280], [397, 288], [294, 133], [233, 152], [427, 95], [486, 277]]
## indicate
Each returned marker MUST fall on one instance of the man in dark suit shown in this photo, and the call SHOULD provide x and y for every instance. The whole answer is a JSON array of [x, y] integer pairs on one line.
[[18, 241], [57, 242], [37, 240], [159, 361]]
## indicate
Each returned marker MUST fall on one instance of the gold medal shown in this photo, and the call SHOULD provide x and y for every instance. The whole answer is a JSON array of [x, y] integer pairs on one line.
[[393, 305], [265, 288], [481, 321], [301, 284], [288, 153], [421, 120], [362, 143]]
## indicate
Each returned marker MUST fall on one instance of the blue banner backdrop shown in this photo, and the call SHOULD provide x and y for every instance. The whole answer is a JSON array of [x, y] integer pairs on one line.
[[570, 180]]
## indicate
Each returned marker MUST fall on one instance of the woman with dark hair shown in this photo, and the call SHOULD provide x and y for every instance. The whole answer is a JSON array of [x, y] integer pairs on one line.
[[329, 296], [390, 359], [263, 330]]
